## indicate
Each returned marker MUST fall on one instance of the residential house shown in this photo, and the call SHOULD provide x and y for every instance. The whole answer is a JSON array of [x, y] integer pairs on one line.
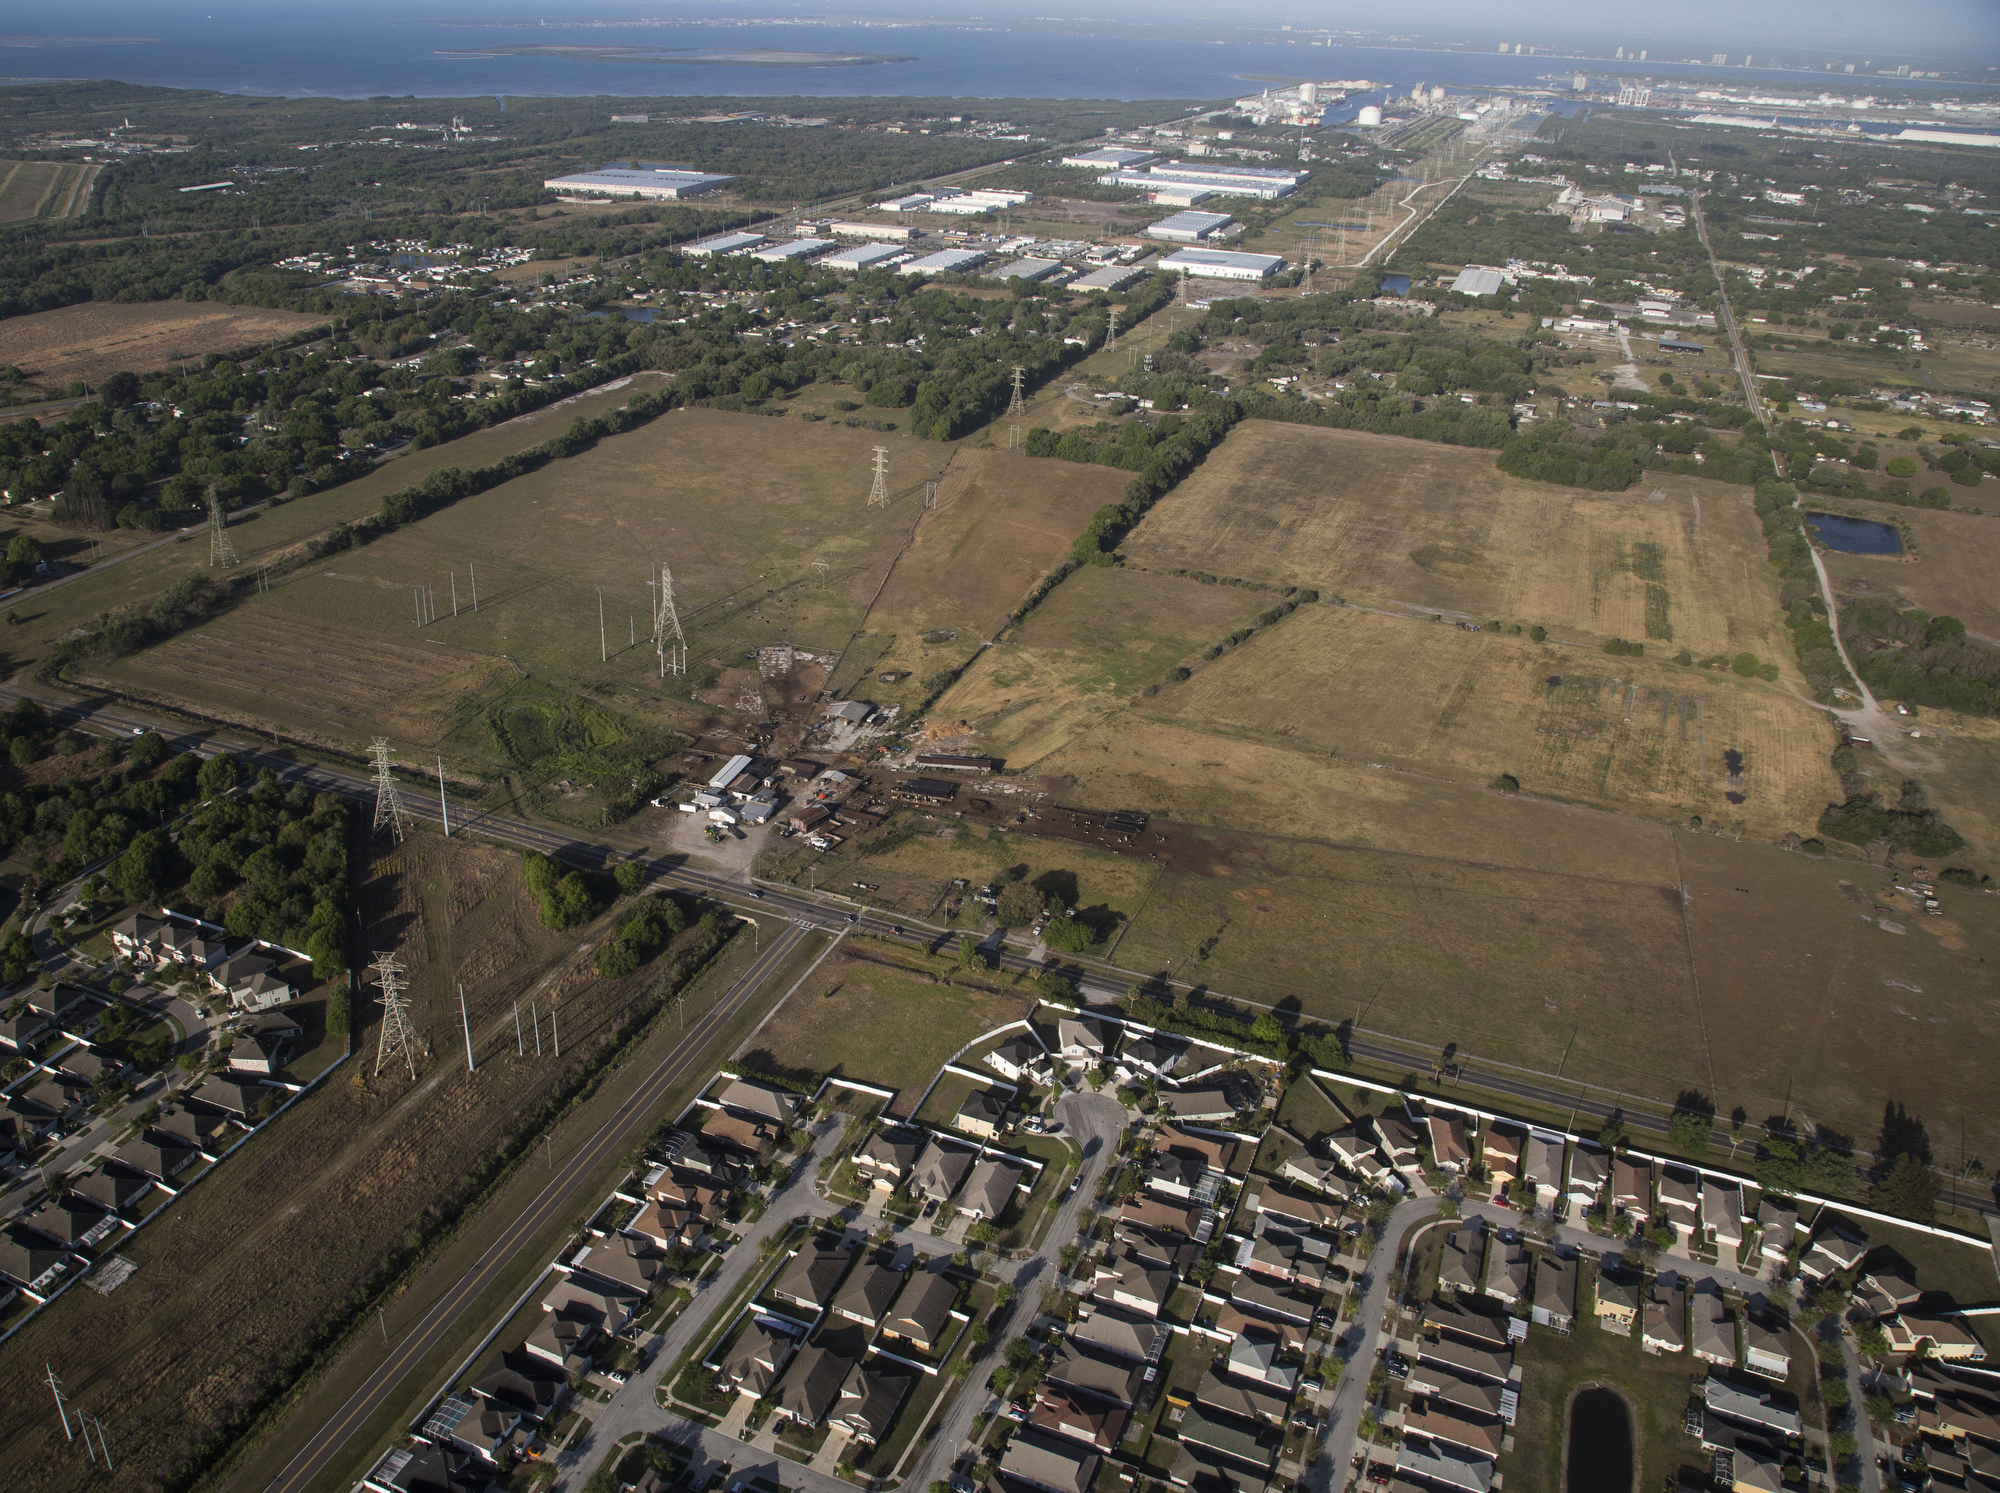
[[1161, 1213], [427, 1467], [1321, 1173], [1463, 1261], [1833, 1251], [158, 1155], [1084, 1367], [523, 1384], [1589, 1167], [1047, 1461], [1295, 1259], [938, 1171], [626, 1265], [810, 1389], [1398, 1141], [250, 980], [565, 1338], [1357, 1153], [1467, 1360], [1464, 1321], [1722, 1212], [1450, 1150], [989, 1190], [808, 1280], [469, 1424], [1078, 1417], [262, 1053], [1179, 1176], [1244, 1399], [609, 1308], [1541, 1167], [1438, 1465], [1261, 1299], [1555, 1292], [1507, 1273], [1680, 1200], [1155, 1055], [1617, 1302], [1135, 1285], [1296, 1208], [1945, 1335], [1453, 1425], [240, 1094], [1246, 1443], [750, 1139], [1083, 1042], [58, 1002], [985, 1114], [1500, 1154], [1128, 1334], [1778, 1225], [32, 1261], [1711, 1330], [31, 1118], [73, 1222], [1663, 1328], [114, 1185], [1887, 1287], [1254, 1356], [1746, 1406], [865, 1295], [887, 1156], [1022, 1060], [1632, 1186], [1485, 1400], [756, 1359], [1745, 1460], [922, 1313], [137, 938], [869, 1399], [20, 1032], [1209, 1104], [773, 1108]]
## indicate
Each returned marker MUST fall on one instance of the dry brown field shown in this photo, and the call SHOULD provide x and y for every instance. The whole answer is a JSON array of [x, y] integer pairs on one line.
[[24, 187], [97, 338], [1431, 528], [1949, 571], [1088, 650], [1002, 522], [257, 666], [1569, 723], [878, 1022], [293, 1222]]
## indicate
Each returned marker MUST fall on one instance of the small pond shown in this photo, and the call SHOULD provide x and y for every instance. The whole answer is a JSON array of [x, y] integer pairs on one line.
[[630, 313], [1855, 536], [1600, 1444], [1395, 285]]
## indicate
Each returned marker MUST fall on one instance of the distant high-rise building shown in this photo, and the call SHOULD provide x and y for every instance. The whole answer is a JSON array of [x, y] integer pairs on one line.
[[1642, 54], [1850, 67], [1720, 59], [1503, 49], [1579, 82], [1619, 55]]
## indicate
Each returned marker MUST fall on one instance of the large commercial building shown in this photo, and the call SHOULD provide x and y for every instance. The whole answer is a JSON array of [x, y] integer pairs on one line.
[[861, 256], [1221, 264], [946, 262], [1111, 277], [965, 204], [658, 182], [871, 230], [907, 204], [1189, 228], [723, 243], [798, 248], [1178, 183], [1112, 159], [1028, 269]]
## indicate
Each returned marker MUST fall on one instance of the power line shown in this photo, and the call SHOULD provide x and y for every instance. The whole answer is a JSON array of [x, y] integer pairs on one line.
[[668, 639], [396, 1035], [389, 808], [878, 495], [220, 550]]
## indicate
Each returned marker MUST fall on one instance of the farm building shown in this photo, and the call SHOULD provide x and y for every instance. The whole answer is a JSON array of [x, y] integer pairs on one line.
[[926, 790]]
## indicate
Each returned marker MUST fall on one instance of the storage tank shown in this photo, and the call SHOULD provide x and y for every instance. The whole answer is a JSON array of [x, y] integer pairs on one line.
[[1437, 93], [1309, 93], [1370, 117]]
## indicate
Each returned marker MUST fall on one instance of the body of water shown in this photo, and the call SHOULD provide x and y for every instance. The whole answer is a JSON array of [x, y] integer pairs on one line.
[[371, 48], [1855, 536], [1600, 1444]]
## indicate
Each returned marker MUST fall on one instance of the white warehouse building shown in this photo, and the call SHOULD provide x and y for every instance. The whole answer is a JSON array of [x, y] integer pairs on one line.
[[657, 182], [1189, 228], [1221, 264]]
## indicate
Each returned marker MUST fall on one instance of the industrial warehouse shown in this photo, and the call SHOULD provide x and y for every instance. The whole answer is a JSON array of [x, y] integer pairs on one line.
[[659, 183]]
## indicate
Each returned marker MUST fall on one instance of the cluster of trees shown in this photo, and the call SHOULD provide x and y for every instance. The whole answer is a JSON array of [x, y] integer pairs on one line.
[[647, 928], [1912, 825], [1265, 1033], [1789, 550], [568, 898], [1921, 659], [95, 811], [272, 861]]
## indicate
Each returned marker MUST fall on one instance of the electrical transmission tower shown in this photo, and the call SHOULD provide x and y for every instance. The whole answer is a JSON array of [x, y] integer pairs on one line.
[[1312, 253], [1111, 337], [389, 808], [220, 550], [397, 1038], [878, 495], [668, 639], [1014, 411], [820, 567]]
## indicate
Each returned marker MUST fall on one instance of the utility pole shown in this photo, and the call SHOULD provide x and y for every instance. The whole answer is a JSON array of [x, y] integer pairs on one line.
[[555, 1036], [454, 593], [444, 807], [55, 1385], [466, 1021], [603, 648], [520, 1047], [535, 1018], [474, 570]]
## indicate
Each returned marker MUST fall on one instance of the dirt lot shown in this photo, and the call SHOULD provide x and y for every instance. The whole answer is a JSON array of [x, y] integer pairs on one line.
[[299, 1217], [1949, 570], [1570, 723], [94, 339], [1430, 528], [876, 1021]]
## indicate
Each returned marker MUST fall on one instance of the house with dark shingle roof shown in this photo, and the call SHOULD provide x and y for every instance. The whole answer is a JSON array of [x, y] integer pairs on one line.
[[989, 1190], [939, 1171], [810, 1388], [922, 1313], [808, 1280], [865, 1296], [869, 1399], [757, 1358]]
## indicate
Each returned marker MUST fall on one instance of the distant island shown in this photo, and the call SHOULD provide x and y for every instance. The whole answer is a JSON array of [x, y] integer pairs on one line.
[[686, 56]]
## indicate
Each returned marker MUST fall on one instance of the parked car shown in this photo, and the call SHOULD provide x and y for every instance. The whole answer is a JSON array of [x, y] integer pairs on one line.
[[1311, 1386], [854, 917], [930, 1207]]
